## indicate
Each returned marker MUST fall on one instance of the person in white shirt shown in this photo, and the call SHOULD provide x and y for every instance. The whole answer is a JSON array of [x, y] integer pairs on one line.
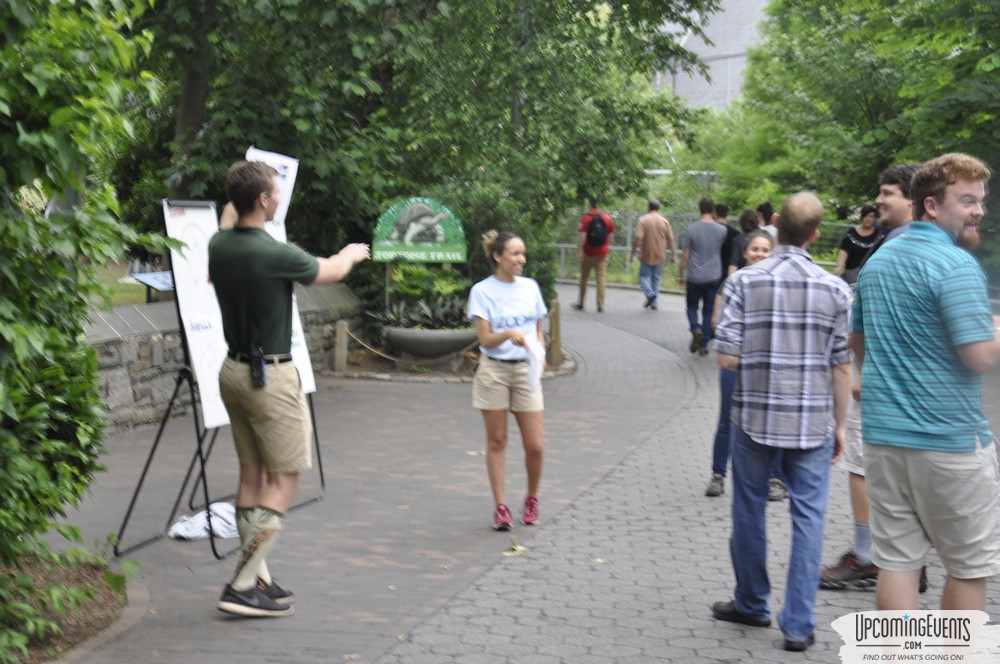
[[507, 310]]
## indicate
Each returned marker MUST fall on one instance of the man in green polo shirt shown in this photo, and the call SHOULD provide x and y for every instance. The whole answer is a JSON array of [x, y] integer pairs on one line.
[[254, 276]]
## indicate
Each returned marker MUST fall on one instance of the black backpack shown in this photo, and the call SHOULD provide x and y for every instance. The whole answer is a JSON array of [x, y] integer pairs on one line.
[[597, 231]]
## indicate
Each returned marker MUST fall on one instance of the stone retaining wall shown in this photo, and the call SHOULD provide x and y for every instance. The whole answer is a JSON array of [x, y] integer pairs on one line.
[[140, 351]]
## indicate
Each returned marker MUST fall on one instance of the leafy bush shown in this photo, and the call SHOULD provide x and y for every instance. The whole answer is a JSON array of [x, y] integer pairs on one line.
[[426, 297], [420, 281], [60, 115], [441, 313]]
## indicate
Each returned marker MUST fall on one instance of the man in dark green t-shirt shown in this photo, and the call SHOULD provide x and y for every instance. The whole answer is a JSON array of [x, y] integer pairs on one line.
[[254, 275]]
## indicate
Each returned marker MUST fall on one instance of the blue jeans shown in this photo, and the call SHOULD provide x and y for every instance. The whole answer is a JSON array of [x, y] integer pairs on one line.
[[807, 475], [720, 448], [721, 445], [649, 279], [704, 294]]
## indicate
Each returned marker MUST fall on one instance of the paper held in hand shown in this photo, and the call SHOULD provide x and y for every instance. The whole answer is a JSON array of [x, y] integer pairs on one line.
[[536, 361]]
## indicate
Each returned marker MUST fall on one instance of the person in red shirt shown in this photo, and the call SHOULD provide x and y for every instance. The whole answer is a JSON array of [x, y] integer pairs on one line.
[[596, 232]]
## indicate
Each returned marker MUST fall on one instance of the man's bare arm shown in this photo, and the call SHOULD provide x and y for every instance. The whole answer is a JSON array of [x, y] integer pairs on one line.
[[339, 265], [980, 356], [856, 343], [685, 256], [842, 378]]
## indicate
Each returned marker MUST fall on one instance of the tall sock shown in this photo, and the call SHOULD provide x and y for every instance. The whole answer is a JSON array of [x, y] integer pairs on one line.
[[244, 526], [266, 526], [863, 543]]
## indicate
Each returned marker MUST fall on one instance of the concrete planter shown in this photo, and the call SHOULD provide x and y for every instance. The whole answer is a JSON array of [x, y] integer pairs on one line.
[[426, 344]]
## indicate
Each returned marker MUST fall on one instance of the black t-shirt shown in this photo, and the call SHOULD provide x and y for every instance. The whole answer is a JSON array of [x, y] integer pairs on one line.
[[857, 246], [727, 248]]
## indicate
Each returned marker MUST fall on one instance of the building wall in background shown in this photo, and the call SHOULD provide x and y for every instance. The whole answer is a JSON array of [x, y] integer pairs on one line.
[[732, 30]]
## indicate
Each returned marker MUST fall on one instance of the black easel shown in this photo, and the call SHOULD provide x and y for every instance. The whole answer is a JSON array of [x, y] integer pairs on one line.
[[184, 375]]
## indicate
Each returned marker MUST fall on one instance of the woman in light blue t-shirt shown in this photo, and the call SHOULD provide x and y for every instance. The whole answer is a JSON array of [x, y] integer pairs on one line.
[[507, 310]]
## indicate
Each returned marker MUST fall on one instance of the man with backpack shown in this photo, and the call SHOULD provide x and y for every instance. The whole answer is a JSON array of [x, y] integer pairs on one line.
[[596, 232]]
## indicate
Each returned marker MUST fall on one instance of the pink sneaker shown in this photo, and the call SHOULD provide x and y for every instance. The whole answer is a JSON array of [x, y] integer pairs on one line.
[[529, 511], [501, 518]]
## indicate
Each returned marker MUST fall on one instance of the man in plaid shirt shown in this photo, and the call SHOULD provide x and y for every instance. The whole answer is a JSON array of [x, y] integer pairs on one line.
[[784, 328]]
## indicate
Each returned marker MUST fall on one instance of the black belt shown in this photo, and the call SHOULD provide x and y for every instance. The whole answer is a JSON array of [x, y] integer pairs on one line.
[[246, 358], [497, 359]]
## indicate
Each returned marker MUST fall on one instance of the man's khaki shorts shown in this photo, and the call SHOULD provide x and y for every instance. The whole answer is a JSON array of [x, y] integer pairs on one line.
[[271, 425], [502, 385], [947, 500]]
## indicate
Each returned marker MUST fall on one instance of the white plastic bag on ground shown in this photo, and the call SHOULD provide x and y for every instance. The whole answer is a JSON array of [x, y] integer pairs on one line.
[[196, 526]]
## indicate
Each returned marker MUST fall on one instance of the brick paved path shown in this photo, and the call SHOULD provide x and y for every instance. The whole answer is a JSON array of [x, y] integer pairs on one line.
[[397, 563]]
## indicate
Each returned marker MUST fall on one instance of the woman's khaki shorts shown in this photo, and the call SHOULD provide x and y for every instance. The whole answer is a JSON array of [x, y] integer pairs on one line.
[[271, 425], [947, 500], [504, 386]]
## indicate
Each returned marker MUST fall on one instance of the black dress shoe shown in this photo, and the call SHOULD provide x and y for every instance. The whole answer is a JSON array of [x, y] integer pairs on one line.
[[799, 646], [727, 611]]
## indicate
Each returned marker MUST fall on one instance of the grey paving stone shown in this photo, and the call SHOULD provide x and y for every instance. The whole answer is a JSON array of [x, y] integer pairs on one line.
[[627, 560]]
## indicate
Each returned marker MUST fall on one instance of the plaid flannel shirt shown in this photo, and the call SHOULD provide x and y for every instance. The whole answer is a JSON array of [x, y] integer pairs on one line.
[[787, 320]]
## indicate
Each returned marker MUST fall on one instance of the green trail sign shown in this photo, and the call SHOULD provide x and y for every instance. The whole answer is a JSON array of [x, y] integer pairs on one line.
[[421, 230]]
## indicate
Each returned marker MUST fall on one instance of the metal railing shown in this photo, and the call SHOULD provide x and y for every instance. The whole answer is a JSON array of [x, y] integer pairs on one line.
[[620, 272]]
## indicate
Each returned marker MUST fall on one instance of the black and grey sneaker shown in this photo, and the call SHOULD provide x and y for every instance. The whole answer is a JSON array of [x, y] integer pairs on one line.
[[275, 592], [251, 603], [716, 486], [776, 490]]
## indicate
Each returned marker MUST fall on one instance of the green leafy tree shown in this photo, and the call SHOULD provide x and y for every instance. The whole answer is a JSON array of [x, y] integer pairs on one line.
[[66, 71], [301, 77], [950, 90], [545, 107], [821, 110], [538, 104], [553, 98]]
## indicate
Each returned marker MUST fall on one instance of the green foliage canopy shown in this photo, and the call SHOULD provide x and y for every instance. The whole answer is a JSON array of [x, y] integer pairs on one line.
[[523, 106], [821, 110], [66, 71]]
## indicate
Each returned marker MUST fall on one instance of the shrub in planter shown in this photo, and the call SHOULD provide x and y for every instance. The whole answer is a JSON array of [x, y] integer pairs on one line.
[[425, 297], [427, 317]]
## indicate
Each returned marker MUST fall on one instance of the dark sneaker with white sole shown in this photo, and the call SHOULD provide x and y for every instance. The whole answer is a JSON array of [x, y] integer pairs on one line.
[[275, 592], [716, 486], [251, 603], [848, 574]]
